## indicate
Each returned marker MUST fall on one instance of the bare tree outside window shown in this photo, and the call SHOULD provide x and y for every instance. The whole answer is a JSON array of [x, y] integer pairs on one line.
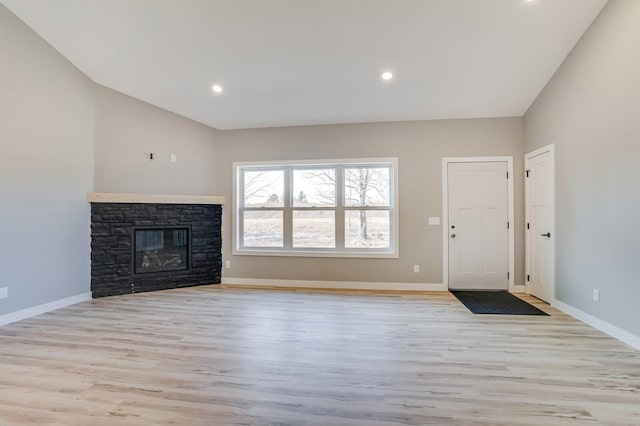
[[363, 186], [366, 187], [318, 186], [314, 225], [264, 188]]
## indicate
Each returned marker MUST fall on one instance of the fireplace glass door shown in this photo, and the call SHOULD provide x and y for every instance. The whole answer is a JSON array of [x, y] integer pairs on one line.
[[158, 250]]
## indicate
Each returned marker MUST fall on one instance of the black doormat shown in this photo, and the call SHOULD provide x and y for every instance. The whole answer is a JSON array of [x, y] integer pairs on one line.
[[495, 302]]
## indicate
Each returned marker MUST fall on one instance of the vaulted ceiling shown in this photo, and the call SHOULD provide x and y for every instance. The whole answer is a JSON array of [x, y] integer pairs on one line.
[[299, 62]]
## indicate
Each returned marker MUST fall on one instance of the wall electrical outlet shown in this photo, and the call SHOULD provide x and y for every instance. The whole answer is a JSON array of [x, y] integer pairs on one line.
[[227, 264], [596, 295], [416, 268], [4, 293]]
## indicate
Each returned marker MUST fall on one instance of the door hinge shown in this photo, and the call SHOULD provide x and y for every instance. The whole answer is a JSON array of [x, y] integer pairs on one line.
[[507, 175], [508, 275], [528, 227], [508, 225], [528, 277], [527, 172]]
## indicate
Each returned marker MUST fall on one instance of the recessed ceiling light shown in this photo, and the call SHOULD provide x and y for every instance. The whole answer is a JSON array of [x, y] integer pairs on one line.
[[387, 75], [216, 88]]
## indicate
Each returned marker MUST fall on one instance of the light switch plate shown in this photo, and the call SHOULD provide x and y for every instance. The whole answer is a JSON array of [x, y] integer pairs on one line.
[[4, 293], [434, 221]]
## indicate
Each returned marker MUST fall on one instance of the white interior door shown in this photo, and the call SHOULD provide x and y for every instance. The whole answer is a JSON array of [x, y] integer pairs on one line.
[[478, 225], [539, 204]]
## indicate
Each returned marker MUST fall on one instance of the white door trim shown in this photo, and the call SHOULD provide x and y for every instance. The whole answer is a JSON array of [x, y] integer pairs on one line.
[[551, 149], [445, 213]]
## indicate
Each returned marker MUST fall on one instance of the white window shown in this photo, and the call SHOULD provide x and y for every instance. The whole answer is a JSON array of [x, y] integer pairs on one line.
[[317, 208]]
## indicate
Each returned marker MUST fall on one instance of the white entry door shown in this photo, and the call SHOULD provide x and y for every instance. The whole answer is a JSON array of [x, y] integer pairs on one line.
[[539, 206], [478, 226]]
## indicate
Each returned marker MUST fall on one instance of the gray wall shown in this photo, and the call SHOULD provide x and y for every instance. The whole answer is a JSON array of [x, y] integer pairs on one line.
[[127, 130], [46, 169], [591, 111], [419, 146]]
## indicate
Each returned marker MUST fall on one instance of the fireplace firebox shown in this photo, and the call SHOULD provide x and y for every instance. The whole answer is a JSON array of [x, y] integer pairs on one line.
[[159, 250]]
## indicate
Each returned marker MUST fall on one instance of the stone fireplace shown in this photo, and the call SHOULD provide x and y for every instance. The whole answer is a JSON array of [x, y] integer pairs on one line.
[[154, 242]]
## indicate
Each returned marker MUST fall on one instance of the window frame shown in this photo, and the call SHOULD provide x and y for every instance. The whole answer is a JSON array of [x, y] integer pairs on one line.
[[340, 208]]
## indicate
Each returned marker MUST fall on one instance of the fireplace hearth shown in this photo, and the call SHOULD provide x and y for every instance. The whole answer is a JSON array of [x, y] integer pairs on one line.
[[154, 244]]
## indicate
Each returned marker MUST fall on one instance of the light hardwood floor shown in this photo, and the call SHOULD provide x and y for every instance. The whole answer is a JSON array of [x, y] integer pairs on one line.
[[211, 356]]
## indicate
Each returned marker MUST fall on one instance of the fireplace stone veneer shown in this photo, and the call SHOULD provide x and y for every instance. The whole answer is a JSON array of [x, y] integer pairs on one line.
[[112, 244]]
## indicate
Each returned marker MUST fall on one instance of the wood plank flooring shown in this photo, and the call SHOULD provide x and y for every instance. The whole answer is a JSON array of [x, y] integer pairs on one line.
[[223, 356]]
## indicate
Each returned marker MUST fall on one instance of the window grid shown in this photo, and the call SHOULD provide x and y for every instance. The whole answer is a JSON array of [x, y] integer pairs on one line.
[[339, 208]]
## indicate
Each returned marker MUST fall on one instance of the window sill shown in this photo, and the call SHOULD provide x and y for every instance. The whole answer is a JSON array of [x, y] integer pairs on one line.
[[304, 253]]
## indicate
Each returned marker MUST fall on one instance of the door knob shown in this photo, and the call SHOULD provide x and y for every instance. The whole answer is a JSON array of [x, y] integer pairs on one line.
[[453, 235], [548, 235]]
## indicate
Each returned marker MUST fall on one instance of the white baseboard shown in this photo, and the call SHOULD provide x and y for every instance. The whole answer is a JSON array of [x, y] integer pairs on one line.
[[336, 285], [41, 309], [607, 328], [518, 289]]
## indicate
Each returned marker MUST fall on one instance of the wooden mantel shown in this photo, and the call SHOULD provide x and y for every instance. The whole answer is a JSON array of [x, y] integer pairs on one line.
[[106, 197]]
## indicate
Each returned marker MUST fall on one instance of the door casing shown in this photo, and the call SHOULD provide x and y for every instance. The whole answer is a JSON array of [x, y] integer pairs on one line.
[[445, 213], [527, 214]]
